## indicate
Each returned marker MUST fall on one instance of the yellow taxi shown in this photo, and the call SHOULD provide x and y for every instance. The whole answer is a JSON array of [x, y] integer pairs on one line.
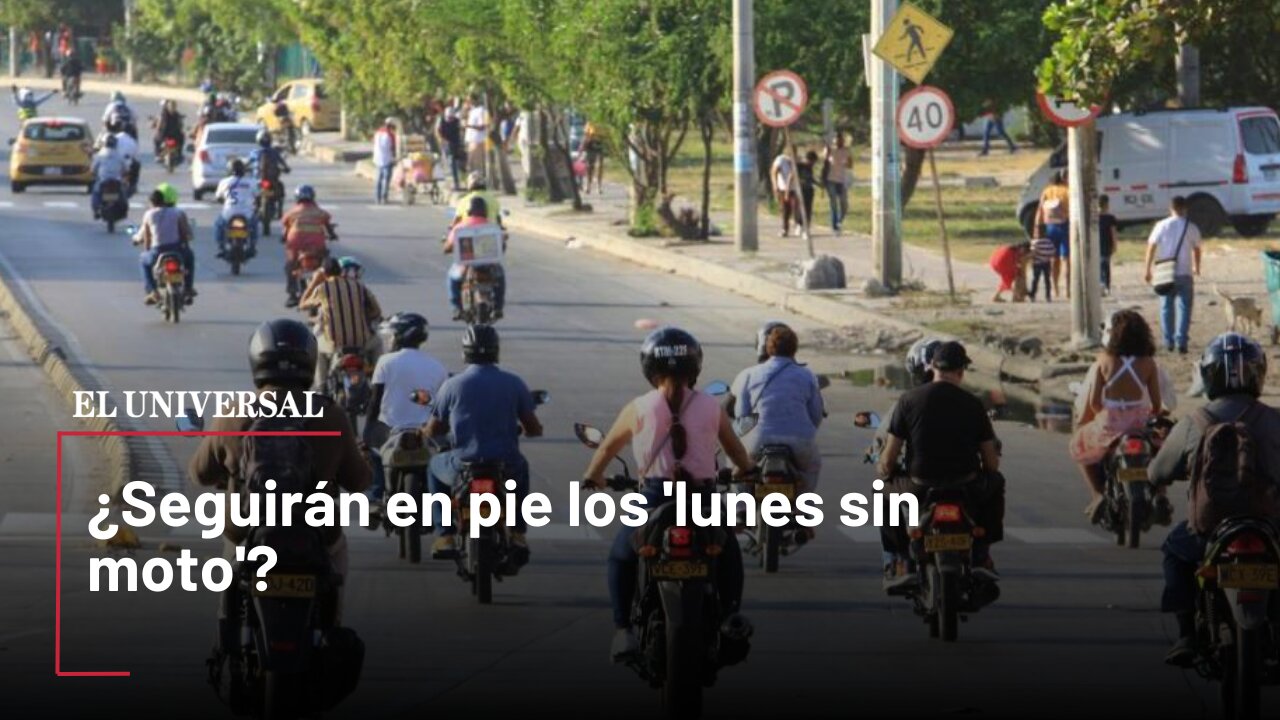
[[51, 151], [310, 108]]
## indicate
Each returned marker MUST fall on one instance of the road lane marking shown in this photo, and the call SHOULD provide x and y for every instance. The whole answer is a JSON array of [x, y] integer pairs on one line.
[[6, 204], [61, 204], [193, 206], [384, 207], [1055, 536]]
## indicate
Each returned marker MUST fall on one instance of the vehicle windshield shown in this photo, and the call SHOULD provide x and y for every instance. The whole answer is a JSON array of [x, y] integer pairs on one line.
[[51, 132], [1261, 135], [231, 136]]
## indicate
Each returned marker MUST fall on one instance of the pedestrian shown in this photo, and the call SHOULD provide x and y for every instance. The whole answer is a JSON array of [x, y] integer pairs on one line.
[[1006, 261], [804, 171], [782, 173], [994, 125], [593, 150], [837, 175], [1106, 240], [1175, 240], [384, 159], [477, 134], [449, 131], [1052, 216], [1043, 253]]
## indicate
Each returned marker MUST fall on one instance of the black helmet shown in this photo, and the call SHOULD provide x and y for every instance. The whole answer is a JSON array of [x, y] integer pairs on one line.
[[236, 167], [282, 352], [407, 329], [1233, 364], [762, 337], [670, 351], [111, 141], [920, 360], [480, 345], [264, 138]]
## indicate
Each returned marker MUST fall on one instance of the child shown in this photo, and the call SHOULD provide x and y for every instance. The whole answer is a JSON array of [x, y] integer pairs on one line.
[[1043, 252], [1006, 261], [1106, 240]]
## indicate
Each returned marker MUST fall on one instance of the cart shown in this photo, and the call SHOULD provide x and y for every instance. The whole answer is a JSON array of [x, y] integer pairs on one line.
[[1271, 268]]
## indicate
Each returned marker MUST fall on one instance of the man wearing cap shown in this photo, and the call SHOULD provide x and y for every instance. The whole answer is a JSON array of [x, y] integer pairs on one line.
[[948, 437]]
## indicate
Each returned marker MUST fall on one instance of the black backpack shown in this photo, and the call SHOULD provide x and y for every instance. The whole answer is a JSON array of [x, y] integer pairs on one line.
[[289, 460]]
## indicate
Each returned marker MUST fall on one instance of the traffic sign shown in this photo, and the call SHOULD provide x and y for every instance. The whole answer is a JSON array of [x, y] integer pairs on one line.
[[925, 117], [780, 98], [1064, 113], [912, 42]]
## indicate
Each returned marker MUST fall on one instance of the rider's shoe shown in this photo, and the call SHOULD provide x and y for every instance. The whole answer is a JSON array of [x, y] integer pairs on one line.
[[898, 580], [1183, 653], [624, 646], [151, 298], [444, 548]]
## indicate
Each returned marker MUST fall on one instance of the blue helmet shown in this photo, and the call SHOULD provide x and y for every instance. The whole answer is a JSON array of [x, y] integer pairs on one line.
[[305, 193]]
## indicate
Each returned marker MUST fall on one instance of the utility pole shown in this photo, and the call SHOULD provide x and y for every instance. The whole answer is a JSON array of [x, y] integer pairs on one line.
[[828, 122], [128, 32], [886, 198], [744, 145], [1086, 261], [13, 51], [1188, 66]]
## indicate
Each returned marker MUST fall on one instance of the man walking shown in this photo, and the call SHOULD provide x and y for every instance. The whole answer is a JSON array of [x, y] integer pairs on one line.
[[384, 159], [477, 134], [1176, 238], [837, 172]]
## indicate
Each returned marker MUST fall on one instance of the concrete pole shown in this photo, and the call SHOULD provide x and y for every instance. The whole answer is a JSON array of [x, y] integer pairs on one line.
[[886, 199], [128, 31], [13, 51], [1188, 66], [828, 122], [1086, 263], [744, 141]]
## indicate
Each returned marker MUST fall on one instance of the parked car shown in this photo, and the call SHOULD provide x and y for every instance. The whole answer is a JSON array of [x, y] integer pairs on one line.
[[218, 145], [1225, 162], [51, 151], [309, 107]]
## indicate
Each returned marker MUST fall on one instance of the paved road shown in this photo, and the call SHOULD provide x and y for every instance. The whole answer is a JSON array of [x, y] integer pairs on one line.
[[1075, 634]]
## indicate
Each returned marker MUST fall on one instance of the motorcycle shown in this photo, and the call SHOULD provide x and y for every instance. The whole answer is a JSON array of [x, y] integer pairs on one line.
[[1238, 613], [307, 263], [479, 294], [269, 203], [684, 637], [115, 203], [492, 555], [171, 283], [1132, 505], [71, 89], [171, 154], [237, 252], [286, 134], [348, 383], [405, 456]]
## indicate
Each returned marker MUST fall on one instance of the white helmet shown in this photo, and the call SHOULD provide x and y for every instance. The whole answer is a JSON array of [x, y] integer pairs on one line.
[[26, 95]]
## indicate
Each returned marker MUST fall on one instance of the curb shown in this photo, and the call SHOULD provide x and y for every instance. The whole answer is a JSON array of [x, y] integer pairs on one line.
[[152, 92], [31, 328]]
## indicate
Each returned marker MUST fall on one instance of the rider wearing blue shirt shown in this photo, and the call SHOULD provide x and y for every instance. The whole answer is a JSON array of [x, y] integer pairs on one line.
[[483, 408]]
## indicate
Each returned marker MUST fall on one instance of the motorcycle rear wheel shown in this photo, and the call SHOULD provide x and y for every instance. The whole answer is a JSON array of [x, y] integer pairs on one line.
[[769, 554], [280, 696], [685, 658], [1241, 694], [482, 569], [948, 607], [413, 533]]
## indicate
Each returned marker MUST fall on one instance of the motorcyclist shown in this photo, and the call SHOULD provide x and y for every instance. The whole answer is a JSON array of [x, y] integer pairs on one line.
[[164, 229], [348, 313], [477, 186], [282, 358], [950, 438], [119, 112], [108, 164], [306, 228], [405, 382], [674, 431], [71, 71], [1234, 371], [484, 409], [237, 194], [128, 148], [27, 102], [729, 400], [464, 255], [267, 163], [167, 126], [786, 398], [351, 267]]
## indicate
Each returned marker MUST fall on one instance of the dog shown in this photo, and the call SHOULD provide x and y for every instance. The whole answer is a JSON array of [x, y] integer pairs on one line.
[[1243, 313]]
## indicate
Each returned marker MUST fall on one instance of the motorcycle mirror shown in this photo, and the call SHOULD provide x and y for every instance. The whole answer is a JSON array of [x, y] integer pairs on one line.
[[587, 435], [745, 424], [716, 387], [191, 422], [129, 230], [824, 382], [866, 419], [541, 397]]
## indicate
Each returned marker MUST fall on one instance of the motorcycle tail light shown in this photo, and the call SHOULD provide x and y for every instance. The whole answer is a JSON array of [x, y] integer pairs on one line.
[[172, 266], [170, 142], [352, 362], [679, 536], [1248, 544], [483, 486], [266, 184], [946, 513], [1135, 446]]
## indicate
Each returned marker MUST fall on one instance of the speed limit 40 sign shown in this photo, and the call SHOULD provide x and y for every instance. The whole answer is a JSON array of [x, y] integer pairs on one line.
[[925, 117]]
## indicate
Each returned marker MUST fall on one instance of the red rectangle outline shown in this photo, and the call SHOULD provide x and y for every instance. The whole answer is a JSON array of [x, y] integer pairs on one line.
[[57, 568]]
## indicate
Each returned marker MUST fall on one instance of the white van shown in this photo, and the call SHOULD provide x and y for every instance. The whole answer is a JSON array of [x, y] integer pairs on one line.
[[1225, 162]]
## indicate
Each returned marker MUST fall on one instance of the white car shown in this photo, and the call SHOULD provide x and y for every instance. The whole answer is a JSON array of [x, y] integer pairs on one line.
[[217, 146], [1225, 162]]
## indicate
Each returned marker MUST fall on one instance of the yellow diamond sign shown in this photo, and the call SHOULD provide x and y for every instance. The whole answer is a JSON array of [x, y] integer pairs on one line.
[[912, 42]]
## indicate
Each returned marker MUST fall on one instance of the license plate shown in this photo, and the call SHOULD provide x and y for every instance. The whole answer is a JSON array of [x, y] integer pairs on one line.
[[288, 586], [1249, 577], [679, 570], [947, 543], [174, 278], [787, 489], [238, 234], [53, 171], [1128, 475]]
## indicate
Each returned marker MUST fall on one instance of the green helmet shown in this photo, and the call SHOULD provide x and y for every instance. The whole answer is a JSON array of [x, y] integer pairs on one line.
[[117, 96], [169, 192]]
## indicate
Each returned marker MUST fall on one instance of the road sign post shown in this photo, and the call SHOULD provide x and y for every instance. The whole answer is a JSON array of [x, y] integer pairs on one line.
[[925, 117], [745, 219], [780, 100]]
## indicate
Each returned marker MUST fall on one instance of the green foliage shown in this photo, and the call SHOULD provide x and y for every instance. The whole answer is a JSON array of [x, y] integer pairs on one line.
[[46, 14]]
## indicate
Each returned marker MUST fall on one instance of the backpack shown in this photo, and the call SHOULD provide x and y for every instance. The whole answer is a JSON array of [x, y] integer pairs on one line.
[[1226, 480], [287, 460]]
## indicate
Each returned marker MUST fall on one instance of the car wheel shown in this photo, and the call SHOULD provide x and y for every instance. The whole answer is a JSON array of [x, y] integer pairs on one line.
[[1251, 225], [17, 187]]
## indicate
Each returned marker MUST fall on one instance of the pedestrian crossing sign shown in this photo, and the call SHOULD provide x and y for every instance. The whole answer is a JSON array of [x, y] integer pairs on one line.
[[912, 42]]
